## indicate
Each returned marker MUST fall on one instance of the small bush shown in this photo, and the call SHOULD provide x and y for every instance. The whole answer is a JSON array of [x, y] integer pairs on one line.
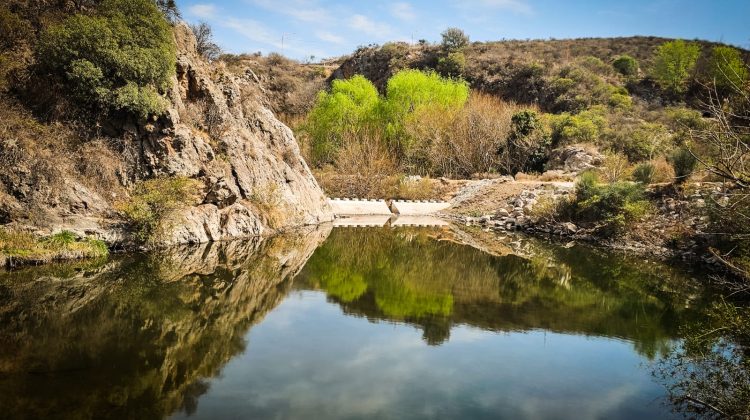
[[452, 65], [654, 172], [153, 203], [584, 127], [613, 207], [643, 142], [684, 164], [626, 65], [644, 173], [663, 171]]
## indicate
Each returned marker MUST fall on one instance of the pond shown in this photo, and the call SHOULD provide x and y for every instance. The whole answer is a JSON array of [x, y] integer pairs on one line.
[[344, 323]]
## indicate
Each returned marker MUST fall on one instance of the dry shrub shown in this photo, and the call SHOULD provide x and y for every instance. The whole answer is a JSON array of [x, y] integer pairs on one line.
[[466, 142], [548, 208], [415, 189], [268, 200], [100, 165], [663, 171], [616, 167], [557, 175], [370, 167]]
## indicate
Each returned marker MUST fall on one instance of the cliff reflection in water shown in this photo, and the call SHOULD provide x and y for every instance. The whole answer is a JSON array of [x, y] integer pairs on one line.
[[428, 280], [139, 336]]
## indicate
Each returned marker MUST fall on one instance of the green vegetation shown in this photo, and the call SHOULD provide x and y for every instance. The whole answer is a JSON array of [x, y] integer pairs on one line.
[[610, 208], [118, 59], [152, 204], [727, 69], [452, 65], [684, 164], [674, 64], [626, 65], [22, 248], [644, 173], [349, 110], [353, 112]]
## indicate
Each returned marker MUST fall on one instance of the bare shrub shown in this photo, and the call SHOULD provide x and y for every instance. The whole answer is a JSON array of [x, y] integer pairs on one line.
[[466, 142], [615, 168]]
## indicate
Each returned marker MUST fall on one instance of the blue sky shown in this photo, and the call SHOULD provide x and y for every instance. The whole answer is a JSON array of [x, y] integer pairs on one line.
[[327, 28]]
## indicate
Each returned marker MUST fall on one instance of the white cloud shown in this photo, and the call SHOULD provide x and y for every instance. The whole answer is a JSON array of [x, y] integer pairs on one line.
[[258, 32], [329, 37], [205, 11], [302, 10], [364, 24], [518, 6], [403, 11], [253, 30]]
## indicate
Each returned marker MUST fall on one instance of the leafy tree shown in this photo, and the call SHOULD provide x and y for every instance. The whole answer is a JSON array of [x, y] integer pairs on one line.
[[349, 106], [626, 65], [727, 69], [205, 41], [454, 39], [409, 92], [674, 64], [118, 59]]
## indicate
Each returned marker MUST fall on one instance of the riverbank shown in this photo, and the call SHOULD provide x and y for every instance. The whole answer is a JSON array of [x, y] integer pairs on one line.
[[675, 227]]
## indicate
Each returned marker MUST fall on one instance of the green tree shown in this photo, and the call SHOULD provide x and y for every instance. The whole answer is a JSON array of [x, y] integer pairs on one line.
[[350, 106], [119, 59], [626, 65], [727, 70], [454, 39], [674, 64], [409, 92]]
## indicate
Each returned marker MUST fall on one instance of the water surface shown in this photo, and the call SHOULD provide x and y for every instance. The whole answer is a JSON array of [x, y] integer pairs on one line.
[[353, 323]]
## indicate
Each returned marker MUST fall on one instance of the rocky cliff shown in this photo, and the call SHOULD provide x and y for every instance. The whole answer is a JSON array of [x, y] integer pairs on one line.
[[252, 180]]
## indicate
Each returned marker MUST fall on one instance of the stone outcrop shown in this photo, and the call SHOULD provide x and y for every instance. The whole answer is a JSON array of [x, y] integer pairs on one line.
[[574, 159], [217, 130]]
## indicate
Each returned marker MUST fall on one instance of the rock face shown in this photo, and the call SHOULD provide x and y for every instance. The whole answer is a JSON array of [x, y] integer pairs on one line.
[[574, 159], [217, 130], [252, 177]]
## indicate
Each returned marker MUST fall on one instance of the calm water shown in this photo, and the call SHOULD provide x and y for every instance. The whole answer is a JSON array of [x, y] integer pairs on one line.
[[353, 323]]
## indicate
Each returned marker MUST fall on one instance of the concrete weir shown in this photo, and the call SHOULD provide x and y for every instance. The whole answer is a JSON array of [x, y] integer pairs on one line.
[[363, 207], [417, 208], [355, 207]]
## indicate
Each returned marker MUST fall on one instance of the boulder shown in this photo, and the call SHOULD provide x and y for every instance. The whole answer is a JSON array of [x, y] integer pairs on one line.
[[574, 158]]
